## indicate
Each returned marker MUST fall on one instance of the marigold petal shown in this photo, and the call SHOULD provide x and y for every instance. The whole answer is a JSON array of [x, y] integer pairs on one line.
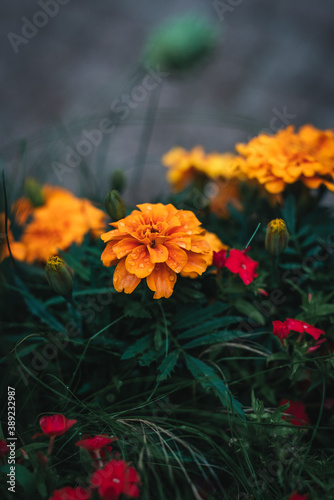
[[158, 253], [161, 281], [177, 258], [108, 257], [196, 263], [125, 246], [276, 186], [123, 280], [139, 263]]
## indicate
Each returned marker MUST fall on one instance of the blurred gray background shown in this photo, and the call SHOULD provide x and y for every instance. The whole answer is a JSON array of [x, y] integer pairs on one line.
[[271, 57]]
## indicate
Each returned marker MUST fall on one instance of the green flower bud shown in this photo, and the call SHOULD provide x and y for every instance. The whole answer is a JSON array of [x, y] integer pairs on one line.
[[59, 276], [180, 44], [277, 237], [115, 205], [34, 192], [118, 180]]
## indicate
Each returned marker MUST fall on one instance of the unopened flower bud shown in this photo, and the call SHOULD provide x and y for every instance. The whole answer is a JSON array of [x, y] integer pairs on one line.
[[34, 192], [115, 205], [59, 276], [277, 237], [181, 43], [118, 180]]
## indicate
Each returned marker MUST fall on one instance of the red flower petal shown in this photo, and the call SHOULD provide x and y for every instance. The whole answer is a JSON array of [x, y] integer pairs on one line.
[[298, 412]]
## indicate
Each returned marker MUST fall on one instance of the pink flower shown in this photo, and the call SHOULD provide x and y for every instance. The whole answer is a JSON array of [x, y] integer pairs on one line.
[[298, 412], [239, 263]]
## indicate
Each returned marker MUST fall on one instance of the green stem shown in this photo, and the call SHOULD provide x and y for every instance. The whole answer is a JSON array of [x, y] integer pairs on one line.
[[145, 136]]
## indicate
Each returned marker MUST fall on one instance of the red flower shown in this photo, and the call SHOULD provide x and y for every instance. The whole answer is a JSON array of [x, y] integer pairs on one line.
[[4, 450], [219, 259], [301, 327], [280, 329], [298, 412], [297, 496], [239, 263], [115, 478], [55, 425], [94, 445], [283, 329], [69, 493], [96, 442]]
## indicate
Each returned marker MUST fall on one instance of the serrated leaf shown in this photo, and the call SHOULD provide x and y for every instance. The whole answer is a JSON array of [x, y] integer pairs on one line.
[[139, 347], [209, 380], [190, 316], [214, 338], [134, 311], [209, 326], [168, 365], [148, 357]]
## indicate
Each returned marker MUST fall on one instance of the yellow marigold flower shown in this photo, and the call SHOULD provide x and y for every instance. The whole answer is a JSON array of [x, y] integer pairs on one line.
[[289, 156], [61, 221], [156, 242], [184, 166]]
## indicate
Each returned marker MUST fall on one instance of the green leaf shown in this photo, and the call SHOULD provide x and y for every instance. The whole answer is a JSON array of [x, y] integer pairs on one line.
[[37, 308], [209, 380], [209, 326], [139, 347], [132, 310], [249, 310], [168, 365], [289, 214], [214, 338], [325, 309], [189, 316]]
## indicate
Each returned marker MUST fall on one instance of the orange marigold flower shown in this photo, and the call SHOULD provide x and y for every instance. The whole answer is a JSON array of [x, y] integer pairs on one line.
[[288, 156], [63, 219], [156, 242], [215, 243]]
